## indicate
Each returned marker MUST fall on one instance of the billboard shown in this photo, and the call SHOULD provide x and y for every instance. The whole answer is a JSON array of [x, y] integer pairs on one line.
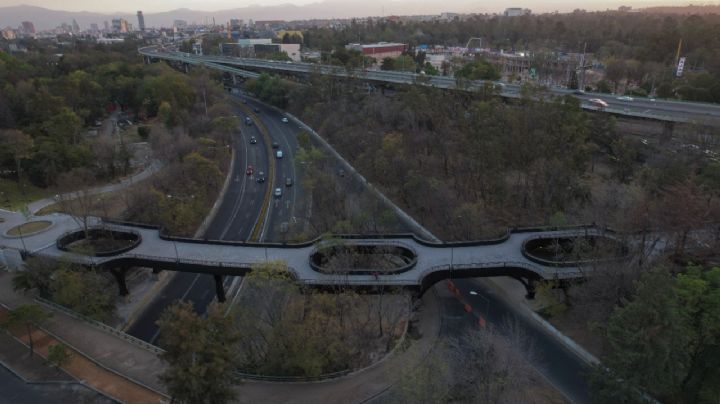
[[680, 66]]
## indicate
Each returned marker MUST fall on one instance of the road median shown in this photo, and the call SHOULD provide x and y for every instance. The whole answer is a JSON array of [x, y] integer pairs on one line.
[[262, 217]]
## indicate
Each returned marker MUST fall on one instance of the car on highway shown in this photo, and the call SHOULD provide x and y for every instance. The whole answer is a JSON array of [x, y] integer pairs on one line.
[[288, 182], [257, 110], [248, 121], [625, 98], [253, 140], [579, 92], [598, 102], [260, 177], [275, 145], [278, 192], [284, 120], [249, 170], [279, 154]]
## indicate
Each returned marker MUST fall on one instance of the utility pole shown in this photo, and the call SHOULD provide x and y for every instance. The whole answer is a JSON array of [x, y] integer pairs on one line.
[[582, 66]]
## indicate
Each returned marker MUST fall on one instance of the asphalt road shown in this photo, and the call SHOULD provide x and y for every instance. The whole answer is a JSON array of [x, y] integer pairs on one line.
[[658, 109], [239, 211], [282, 209], [561, 368], [234, 221]]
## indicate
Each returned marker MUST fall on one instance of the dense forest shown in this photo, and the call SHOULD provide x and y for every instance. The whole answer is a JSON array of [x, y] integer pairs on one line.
[[53, 105], [467, 166]]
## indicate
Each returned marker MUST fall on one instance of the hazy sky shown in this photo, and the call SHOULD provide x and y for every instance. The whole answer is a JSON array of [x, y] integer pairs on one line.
[[396, 5]]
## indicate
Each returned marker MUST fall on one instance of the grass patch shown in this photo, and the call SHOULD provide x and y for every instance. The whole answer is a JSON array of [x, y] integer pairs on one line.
[[50, 209], [14, 197], [30, 227]]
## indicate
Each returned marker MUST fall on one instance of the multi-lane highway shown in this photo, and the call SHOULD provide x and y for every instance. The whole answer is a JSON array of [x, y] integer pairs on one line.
[[664, 110], [241, 211]]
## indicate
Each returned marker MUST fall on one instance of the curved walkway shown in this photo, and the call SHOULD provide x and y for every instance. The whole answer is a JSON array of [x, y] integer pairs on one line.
[[434, 260], [147, 172]]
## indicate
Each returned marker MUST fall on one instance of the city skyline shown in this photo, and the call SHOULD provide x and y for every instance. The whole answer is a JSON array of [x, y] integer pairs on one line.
[[367, 8]]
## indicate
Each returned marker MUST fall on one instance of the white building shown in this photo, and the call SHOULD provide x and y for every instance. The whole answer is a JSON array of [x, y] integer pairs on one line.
[[516, 12]]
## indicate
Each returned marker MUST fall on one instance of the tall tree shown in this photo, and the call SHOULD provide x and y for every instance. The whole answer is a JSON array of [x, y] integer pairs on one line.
[[200, 352], [28, 316], [648, 342], [19, 145]]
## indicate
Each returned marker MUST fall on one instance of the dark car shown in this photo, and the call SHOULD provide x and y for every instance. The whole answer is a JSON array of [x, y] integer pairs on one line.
[[260, 179], [257, 110], [288, 182], [253, 140], [275, 145]]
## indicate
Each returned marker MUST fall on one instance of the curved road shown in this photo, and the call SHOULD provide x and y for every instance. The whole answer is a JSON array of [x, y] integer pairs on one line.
[[239, 210], [282, 209]]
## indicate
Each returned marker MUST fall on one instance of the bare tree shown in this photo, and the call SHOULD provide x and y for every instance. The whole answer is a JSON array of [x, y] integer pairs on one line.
[[79, 201]]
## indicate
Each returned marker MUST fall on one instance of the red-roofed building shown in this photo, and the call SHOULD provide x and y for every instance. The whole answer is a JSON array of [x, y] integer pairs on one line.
[[380, 50]]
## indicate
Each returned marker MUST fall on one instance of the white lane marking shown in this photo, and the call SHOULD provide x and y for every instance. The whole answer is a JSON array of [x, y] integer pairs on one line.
[[197, 276], [241, 196]]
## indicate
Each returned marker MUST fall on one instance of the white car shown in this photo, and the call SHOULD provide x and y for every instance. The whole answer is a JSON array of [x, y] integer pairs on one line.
[[279, 154], [625, 98], [598, 102], [278, 192], [285, 120]]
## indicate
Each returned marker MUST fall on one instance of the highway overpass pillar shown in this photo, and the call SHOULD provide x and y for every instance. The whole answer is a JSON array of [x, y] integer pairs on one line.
[[219, 288], [234, 77], [119, 274], [667, 131]]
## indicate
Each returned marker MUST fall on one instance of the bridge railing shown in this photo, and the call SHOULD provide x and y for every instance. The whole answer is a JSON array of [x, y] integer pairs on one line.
[[104, 327], [296, 379]]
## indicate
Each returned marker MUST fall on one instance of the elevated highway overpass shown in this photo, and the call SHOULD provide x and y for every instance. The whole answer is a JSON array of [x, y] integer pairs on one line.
[[669, 111]]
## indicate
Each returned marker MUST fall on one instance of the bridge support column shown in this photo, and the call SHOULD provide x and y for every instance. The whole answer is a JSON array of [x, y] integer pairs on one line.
[[219, 288], [187, 68], [530, 289], [119, 274], [667, 131], [234, 77]]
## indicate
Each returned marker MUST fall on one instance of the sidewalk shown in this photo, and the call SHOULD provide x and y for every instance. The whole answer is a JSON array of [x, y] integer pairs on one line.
[[148, 171], [101, 358]]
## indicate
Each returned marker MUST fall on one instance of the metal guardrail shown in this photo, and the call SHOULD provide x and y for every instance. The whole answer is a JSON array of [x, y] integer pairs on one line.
[[296, 379], [509, 90], [103, 327]]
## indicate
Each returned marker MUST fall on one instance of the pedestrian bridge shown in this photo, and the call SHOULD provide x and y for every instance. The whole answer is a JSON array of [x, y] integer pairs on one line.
[[528, 254]]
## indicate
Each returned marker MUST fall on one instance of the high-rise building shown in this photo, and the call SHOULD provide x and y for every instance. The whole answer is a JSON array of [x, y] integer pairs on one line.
[[107, 26], [28, 28], [141, 21], [120, 25], [236, 24]]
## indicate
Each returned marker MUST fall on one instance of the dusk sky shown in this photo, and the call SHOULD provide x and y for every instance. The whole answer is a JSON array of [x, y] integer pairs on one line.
[[391, 6]]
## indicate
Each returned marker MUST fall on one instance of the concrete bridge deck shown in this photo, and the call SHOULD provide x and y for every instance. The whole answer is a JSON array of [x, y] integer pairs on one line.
[[503, 256]]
